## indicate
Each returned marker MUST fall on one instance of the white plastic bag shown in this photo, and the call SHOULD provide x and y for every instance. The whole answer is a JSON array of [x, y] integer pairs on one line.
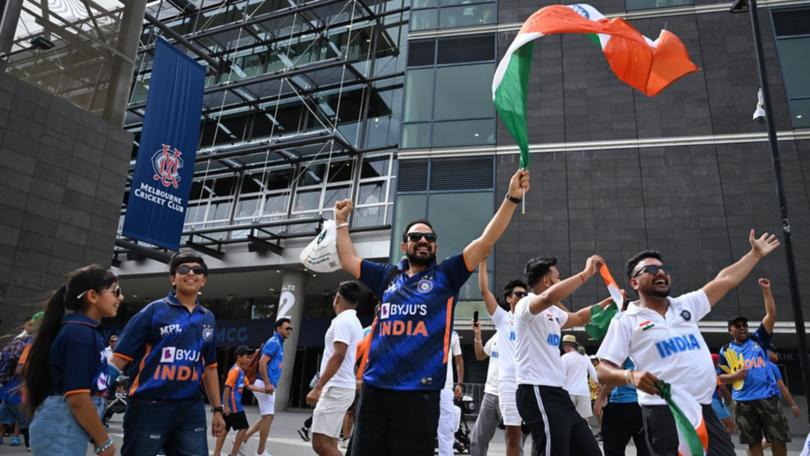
[[321, 254]]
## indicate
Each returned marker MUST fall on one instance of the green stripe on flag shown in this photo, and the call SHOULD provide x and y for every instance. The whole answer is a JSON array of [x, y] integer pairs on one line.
[[600, 321], [681, 421], [510, 99], [595, 38]]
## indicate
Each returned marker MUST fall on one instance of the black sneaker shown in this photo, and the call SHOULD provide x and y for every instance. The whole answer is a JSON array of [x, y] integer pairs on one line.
[[304, 434]]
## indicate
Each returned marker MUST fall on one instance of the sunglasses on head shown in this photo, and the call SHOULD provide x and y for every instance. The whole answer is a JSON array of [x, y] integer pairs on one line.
[[184, 269], [116, 291], [415, 237], [520, 294], [653, 269]]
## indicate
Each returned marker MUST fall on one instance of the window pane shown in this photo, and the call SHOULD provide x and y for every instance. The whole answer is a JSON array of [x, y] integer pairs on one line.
[[275, 204], [369, 216], [419, 93], [251, 183], [415, 136], [279, 179], [312, 174], [464, 133], [648, 4], [247, 208], [335, 194], [464, 92], [341, 171], [463, 16], [374, 167], [220, 210], [466, 49], [800, 111], [421, 52], [224, 185], [406, 209], [195, 214], [371, 193], [423, 20], [793, 54], [792, 22], [419, 4], [307, 199]]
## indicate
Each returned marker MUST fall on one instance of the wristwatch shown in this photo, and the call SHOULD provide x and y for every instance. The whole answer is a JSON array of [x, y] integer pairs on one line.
[[513, 199], [218, 408]]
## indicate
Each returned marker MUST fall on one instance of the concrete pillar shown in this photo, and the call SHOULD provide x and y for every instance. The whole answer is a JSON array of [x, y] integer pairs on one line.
[[121, 75], [291, 305]]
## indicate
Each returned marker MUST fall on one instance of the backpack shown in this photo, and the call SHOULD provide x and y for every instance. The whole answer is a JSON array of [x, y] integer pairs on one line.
[[252, 369]]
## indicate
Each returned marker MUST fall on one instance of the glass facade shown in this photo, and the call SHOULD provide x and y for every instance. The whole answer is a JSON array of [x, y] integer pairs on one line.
[[442, 14], [632, 5], [792, 31], [448, 99]]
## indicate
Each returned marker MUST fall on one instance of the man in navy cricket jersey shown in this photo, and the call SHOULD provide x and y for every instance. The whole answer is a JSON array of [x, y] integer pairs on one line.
[[175, 340], [399, 402]]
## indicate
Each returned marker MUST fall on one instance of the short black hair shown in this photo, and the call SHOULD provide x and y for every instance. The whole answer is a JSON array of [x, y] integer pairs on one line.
[[511, 285], [415, 222], [350, 291], [186, 257], [632, 262], [282, 320], [537, 268]]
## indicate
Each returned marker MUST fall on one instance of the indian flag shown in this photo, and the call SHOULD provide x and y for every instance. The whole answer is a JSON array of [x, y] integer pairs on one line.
[[647, 65], [693, 437]]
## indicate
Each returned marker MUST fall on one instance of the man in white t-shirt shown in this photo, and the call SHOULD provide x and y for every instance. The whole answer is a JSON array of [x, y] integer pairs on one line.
[[578, 369], [449, 414], [504, 322], [541, 400], [662, 337], [488, 415], [334, 392]]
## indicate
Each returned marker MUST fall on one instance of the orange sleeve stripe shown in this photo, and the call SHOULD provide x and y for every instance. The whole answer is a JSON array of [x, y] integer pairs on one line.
[[122, 356], [78, 391], [24, 355], [447, 324], [232, 376], [136, 382], [214, 365]]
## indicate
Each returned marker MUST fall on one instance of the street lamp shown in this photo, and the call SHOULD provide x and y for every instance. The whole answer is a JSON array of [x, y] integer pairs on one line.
[[740, 6]]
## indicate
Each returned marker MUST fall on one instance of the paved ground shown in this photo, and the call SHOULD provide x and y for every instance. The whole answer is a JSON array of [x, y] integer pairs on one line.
[[284, 440]]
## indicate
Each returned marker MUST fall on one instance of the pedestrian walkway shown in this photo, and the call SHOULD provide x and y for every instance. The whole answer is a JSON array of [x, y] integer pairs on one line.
[[284, 439]]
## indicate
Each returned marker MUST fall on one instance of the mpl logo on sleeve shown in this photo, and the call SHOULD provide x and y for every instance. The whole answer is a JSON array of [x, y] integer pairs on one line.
[[167, 164]]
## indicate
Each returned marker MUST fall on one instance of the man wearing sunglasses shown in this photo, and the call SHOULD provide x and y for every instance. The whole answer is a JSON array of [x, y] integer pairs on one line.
[[662, 337], [173, 342], [758, 411], [504, 323], [408, 354]]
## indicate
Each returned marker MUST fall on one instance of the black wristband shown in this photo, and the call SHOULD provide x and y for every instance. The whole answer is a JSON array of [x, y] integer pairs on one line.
[[513, 199], [218, 408]]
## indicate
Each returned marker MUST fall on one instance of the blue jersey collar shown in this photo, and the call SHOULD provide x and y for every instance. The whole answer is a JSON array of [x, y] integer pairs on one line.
[[171, 298], [278, 337], [80, 319]]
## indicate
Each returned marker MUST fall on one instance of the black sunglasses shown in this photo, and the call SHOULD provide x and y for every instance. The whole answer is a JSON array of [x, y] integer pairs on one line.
[[116, 291], [653, 269], [185, 269], [740, 325], [415, 237], [520, 294]]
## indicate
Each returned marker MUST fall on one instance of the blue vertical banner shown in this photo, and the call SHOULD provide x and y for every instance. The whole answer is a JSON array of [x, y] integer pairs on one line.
[[164, 168]]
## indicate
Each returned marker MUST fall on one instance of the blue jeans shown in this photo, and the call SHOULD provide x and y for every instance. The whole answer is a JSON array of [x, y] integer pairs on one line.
[[176, 427], [55, 431]]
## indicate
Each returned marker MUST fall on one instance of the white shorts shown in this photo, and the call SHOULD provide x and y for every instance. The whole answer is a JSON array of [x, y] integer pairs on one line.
[[507, 402], [327, 419], [582, 404], [267, 402]]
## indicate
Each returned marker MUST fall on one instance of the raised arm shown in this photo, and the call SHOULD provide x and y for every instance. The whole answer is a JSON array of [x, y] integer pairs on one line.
[[483, 285], [583, 316], [478, 344], [345, 247], [732, 275], [479, 248], [564, 288], [770, 305]]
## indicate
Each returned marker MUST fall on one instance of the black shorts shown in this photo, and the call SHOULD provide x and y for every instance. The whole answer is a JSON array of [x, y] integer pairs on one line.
[[554, 423], [395, 423], [236, 421], [662, 435]]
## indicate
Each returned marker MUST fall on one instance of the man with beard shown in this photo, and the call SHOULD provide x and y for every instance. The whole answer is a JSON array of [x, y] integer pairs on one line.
[[408, 355], [758, 410], [662, 337]]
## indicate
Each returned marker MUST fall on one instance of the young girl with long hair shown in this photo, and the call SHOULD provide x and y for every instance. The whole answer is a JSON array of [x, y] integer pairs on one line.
[[66, 375]]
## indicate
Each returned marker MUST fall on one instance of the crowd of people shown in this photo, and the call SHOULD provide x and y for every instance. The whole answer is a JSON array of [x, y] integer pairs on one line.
[[394, 379]]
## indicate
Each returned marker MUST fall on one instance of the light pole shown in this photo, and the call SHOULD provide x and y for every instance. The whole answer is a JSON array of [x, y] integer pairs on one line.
[[798, 316]]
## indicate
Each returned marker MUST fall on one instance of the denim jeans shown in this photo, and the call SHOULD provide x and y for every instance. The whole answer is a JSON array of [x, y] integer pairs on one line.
[[55, 431], [176, 427]]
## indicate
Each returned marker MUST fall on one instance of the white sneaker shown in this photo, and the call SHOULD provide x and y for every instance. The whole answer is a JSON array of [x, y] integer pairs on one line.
[[264, 454]]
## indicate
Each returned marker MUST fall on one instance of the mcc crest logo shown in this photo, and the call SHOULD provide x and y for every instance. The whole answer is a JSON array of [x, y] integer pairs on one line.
[[166, 163]]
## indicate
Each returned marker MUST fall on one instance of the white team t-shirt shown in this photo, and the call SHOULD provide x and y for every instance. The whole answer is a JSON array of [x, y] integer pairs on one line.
[[577, 370], [455, 350], [537, 349], [346, 328], [491, 349], [505, 324], [669, 347]]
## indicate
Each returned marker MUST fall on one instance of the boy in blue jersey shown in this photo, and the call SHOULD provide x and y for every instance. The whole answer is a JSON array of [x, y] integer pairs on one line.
[[266, 382], [235, 417], [758, 410], [408, 354], [174, 338]]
